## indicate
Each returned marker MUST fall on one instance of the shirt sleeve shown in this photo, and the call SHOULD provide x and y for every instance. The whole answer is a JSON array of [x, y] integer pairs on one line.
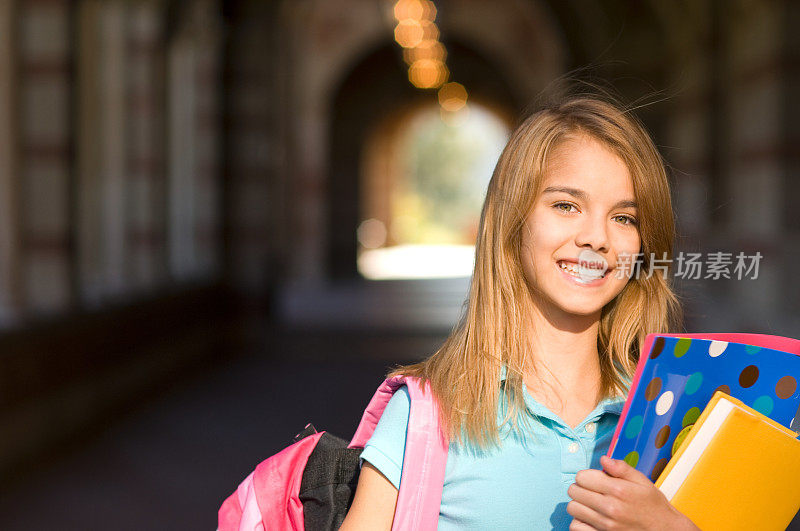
[[387, 446]]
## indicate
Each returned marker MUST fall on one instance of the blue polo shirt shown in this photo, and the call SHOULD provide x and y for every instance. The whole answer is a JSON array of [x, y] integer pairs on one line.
[[520, 485]]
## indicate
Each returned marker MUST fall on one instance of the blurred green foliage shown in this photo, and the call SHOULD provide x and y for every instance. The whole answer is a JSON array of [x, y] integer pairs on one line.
[[448, 167]]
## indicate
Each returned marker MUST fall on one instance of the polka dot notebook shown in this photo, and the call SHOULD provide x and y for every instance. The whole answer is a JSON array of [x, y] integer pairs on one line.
[[678, 374]]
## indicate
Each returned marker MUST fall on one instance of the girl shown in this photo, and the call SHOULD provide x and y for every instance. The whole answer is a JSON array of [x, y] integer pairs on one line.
[[531, 382]]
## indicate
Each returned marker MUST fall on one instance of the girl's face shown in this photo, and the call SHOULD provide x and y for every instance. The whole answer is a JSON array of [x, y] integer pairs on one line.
[[576, 236]]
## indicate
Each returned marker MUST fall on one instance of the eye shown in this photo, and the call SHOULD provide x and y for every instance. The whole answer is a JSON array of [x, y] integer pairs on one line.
[[626, 220], [564, 206]]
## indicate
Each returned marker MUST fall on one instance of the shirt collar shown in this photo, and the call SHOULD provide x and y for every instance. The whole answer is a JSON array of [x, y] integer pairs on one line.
[[613, 405]]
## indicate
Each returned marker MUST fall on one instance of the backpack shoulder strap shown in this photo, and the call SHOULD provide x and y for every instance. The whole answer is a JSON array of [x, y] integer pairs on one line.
[[422, 478], [420, 495], [371, 416]]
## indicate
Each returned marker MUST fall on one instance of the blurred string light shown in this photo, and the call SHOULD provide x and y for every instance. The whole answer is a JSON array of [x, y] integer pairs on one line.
[[432, 49], [371, 233], [452, 96], [424, 54]]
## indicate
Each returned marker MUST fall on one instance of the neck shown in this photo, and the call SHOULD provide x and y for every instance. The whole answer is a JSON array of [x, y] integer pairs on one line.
[[566, 362]]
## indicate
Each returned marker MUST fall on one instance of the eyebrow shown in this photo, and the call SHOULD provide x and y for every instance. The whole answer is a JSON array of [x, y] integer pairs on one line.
[[583, 196]]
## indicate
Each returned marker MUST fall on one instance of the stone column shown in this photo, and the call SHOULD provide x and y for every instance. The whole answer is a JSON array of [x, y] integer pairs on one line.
[[9, 251], [102, 149], [146, 182], [754, 104], [45, 157]]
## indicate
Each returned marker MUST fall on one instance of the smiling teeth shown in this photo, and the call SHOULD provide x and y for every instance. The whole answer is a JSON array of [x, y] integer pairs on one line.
[[585, 274], [568, 267]]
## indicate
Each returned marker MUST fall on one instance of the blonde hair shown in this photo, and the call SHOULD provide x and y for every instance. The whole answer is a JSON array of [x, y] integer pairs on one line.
[[464, 373]]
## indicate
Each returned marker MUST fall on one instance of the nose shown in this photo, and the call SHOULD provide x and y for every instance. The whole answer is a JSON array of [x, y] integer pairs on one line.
[[593, 234]]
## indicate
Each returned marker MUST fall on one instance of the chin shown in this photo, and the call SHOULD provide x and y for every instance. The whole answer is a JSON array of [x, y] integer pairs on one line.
[[580, 306], [583, 311], [575, 300]]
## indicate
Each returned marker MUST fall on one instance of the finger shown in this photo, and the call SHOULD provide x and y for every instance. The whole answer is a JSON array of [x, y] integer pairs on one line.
[[589, 498], [577, 525], [587, 515], [610, 488], [598, 481], [620, 469]]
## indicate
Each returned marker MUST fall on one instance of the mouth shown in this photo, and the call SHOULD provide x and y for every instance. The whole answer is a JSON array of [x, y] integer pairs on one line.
[[587, 273]]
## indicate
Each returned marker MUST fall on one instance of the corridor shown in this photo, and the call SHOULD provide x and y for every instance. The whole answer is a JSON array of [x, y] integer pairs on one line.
[[169, 463]]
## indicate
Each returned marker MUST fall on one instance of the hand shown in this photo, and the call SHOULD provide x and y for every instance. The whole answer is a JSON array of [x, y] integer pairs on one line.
[[620, 497]]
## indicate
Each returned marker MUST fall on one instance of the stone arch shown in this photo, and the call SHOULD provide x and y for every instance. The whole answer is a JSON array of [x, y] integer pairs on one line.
[[515, 46], [374, 91]]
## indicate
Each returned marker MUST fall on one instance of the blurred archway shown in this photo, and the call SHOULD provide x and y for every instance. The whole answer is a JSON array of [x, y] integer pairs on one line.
[[372, 107], [424, 177]]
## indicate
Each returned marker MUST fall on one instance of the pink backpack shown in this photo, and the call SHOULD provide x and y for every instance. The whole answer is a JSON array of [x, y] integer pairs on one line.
[[269, 498]]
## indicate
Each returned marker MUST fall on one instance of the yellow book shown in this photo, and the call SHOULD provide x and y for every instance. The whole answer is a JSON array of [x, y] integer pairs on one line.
[[736, 469]]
